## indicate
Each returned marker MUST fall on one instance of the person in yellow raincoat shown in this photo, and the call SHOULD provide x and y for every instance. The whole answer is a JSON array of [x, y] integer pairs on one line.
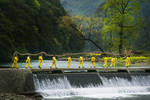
[[127, 62], [93, 62], [113, 62], [28, 62], [15, 62], [40, 61], [105, 62], [81, 62], [53, 62], [69, 61]]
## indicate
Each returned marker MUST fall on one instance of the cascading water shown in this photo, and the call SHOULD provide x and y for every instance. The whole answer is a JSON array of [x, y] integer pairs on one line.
[[121, 82], [109, 89], [56, 88]]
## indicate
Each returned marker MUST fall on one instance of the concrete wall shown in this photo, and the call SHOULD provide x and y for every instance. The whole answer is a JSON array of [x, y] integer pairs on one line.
[[16, 81]]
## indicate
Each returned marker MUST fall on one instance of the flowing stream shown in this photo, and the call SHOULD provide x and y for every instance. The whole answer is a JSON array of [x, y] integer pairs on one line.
[[114, 88]]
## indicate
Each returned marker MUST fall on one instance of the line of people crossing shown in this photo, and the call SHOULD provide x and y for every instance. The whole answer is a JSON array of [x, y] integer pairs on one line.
[[81, 60]]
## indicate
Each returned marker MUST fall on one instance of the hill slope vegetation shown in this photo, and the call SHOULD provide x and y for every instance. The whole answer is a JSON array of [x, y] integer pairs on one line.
[[34, 26]]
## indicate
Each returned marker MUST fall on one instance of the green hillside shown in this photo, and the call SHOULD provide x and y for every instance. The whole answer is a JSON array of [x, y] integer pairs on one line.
[[34, 26]]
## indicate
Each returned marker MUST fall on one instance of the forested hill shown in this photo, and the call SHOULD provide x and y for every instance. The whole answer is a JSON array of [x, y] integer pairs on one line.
[[34, 26], [143, 42], [81, 7]]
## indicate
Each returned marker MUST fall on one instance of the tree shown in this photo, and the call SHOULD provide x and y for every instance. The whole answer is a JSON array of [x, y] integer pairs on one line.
[[37, 3], [143, 42], [122, 22], [33, 26], [89, 28]]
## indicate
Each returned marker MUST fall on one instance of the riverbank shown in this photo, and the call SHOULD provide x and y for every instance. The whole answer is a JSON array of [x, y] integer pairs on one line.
[[17, 85], [13, 96], [135, 61]]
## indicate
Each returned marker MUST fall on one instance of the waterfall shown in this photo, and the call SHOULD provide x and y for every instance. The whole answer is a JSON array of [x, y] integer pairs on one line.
[[113, 87], [55, 88], [122, 82]]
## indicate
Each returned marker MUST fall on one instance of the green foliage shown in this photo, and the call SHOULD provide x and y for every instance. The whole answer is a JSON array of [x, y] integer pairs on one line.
[[90, 27], [26, 28], [37, 3], [122, 21], [141, 38], [139, 59], [67, 25], [143, 41], [133, 59]]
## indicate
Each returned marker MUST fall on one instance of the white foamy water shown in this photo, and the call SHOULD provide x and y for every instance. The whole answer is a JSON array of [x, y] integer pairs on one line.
[[95, 92], [121, 82], [112, 88]]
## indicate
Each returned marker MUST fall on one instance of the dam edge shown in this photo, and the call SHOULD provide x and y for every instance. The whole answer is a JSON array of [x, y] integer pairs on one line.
[[20, 81]]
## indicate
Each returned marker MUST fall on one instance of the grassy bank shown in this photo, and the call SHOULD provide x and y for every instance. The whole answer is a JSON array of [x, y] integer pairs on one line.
[[120, 61]]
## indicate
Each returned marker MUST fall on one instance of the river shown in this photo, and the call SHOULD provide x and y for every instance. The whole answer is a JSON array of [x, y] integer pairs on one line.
[[112, 89], [116, 88], [62, 64]]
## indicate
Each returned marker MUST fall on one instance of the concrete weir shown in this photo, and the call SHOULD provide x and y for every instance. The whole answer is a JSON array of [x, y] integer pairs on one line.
[[88, 76], [16, 81], [21, 80]]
